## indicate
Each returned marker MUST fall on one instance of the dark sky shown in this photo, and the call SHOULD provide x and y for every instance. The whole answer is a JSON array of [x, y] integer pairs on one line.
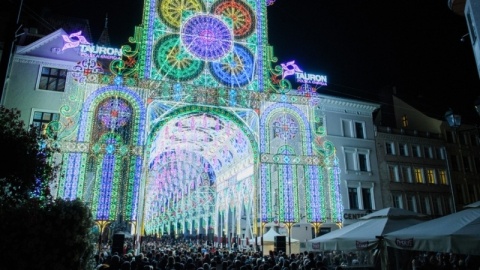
[[364, 47], [367, 46]]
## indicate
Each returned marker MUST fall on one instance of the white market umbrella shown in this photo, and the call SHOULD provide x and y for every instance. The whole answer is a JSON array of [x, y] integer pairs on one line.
[[363, 234], [457, 233]]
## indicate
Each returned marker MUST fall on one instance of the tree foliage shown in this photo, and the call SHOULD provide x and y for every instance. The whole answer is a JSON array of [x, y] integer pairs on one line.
[[53, 236], [25, 170], [37, 231]]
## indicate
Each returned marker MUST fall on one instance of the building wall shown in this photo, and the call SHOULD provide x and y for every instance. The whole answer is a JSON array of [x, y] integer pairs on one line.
[[350, 142], [23, 92], [398, 177]]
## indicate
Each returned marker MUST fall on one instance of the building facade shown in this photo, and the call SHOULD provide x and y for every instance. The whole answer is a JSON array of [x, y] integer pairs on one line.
[[425, 165], [190, 131]]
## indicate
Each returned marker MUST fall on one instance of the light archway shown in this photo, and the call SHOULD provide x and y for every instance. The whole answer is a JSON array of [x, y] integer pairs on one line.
[[201, 170]]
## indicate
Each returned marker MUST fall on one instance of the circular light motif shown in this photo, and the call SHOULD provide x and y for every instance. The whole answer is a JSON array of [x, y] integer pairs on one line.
[[235, 70], [174, 62], [285, 127], [240, 13], [171, 11], [114, 113], [207, 37]]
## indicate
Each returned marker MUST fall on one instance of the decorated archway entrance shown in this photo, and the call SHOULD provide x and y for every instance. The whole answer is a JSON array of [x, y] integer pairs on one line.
[[201, 163]]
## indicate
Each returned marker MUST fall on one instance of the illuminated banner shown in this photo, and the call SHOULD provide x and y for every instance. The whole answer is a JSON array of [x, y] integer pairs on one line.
[[311, 78], [89, 50], [92, 51], [290, 68]]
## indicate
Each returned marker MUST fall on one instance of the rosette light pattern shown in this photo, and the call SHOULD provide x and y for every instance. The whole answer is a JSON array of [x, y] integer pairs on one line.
[[174, 62], [171, 11], [207, 37], [240, 13], [114, 113], [235, 70]]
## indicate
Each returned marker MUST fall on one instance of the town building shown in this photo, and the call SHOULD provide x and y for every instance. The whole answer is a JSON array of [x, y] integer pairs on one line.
[[190, 132]]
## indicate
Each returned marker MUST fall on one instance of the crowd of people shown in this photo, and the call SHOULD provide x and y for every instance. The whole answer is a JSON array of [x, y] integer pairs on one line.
[[447, 261], [168, 254]]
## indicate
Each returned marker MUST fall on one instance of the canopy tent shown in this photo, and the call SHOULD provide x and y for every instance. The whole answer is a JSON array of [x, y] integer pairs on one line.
[[269, 242], [363, 234], [457, 233]]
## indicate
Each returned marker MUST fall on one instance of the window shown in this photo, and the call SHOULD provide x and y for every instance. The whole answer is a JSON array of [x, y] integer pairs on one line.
[[428, 152], [471, 193], [404, 121], [449, 136], [416, 151], [459, 195], [347, 128], [41, 120], [359, 130], [454, 162], [466, 164], [393, 173], [476, 161], [353, 198], [474, 139], [419, 175], [367, 198], [407, 174], [52, 79], [421, 204], [440, 153], [411, 203], [357, 159], [439, 206], [430, 176], [428, 208], [397, 200], [403, 149], [442, 177], [353, 129], [362, 162], [390, 148], [463, 138]]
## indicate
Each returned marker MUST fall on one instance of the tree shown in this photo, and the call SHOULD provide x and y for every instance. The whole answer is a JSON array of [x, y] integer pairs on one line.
[[25, 170], [53, 236], [37, 231]]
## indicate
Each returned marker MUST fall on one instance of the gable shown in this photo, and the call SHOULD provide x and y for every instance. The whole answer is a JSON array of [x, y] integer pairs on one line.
[[58, 45]]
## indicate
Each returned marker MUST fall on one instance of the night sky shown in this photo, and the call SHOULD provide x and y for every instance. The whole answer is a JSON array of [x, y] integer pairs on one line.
[[366, 48]]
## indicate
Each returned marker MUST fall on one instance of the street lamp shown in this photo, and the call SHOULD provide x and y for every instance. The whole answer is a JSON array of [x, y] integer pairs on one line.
[[453, 120]]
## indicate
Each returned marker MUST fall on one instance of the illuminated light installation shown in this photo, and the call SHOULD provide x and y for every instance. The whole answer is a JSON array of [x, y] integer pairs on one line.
[[329, 163], [270, 2], [290, 68], [236, 71], [225, 35], [178, 65], [240, 13], [192, 127], [207, 37], [196, 174], [109, 176], [73, 40], [86, 68]]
